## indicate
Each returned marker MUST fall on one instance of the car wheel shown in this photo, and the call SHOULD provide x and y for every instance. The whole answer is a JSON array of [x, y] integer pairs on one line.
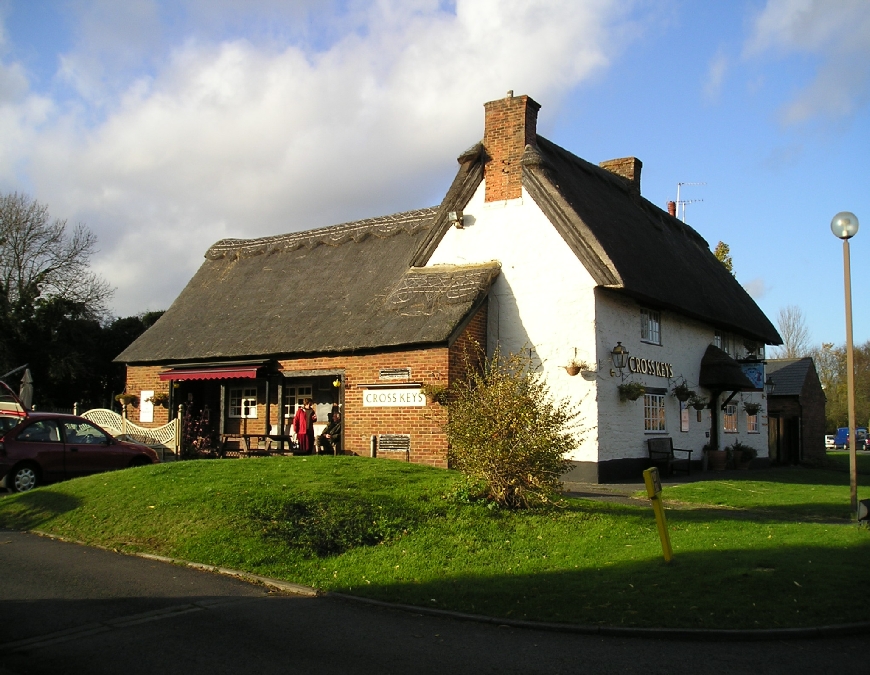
[[140, 461], [23, 478]]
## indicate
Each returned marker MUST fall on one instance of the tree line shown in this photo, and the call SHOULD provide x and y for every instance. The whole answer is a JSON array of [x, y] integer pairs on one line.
[[54, 310]]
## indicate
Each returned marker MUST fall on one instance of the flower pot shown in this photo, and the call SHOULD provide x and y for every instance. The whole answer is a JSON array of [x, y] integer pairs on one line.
[[717, 460]]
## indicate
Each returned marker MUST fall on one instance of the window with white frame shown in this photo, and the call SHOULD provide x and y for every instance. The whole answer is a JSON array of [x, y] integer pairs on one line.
[[650, 326], [730, 419], [752, 423], [654, 412], [243, 402]]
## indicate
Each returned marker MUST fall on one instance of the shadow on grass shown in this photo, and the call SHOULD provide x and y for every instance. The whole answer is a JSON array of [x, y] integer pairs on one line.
[[30, 510], [731, 589]]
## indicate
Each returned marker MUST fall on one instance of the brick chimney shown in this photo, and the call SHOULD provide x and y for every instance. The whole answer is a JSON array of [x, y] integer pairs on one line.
[[511, 124], [626, 167]]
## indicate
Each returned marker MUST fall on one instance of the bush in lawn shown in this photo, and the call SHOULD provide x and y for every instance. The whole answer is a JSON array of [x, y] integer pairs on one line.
[[506, 431]]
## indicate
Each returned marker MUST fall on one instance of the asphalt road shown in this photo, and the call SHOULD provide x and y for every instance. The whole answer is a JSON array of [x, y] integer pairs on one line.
[[71, 609]]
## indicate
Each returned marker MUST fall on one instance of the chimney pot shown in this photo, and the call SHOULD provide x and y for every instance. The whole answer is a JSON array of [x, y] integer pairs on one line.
[[672, 209]]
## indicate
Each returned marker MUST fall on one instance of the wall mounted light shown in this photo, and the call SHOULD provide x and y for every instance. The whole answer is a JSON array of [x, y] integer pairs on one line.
[[769, 385], [455, 219], [619, 356]]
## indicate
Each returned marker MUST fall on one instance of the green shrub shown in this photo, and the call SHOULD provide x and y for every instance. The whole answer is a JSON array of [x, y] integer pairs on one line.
[[506, 431], [324, 526]]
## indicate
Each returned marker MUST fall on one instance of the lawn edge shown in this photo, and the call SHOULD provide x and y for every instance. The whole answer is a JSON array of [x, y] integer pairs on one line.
[[694, 634]]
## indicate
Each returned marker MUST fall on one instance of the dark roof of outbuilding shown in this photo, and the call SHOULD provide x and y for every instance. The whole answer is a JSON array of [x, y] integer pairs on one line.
[[789, 375], [344, 288], [625, 242]]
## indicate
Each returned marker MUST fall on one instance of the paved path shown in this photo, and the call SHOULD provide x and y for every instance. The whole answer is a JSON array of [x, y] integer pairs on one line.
[[72, 609]]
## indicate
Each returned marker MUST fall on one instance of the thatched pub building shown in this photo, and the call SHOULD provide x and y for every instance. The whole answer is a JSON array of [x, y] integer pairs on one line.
[[532, 248]]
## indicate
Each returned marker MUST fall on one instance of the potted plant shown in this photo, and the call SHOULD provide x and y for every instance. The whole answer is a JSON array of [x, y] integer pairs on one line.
[[682, 391], [742, 455], [716, 459], [751, 407], [631, 391], [160, 399]]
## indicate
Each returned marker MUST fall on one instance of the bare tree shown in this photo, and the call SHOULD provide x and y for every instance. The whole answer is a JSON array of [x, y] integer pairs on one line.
[[795, 335], [40, 260]]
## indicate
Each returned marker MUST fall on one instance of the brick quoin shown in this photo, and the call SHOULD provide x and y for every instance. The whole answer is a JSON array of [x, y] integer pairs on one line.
[[437, 365]]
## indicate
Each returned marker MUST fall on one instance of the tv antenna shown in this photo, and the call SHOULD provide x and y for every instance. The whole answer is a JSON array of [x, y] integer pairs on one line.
[[683, 202]]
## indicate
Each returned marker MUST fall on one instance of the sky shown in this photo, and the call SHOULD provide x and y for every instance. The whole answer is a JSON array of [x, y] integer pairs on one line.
[[164, 126]]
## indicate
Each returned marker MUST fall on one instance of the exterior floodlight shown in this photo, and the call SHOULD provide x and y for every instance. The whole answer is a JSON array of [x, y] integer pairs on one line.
[[844, 225]]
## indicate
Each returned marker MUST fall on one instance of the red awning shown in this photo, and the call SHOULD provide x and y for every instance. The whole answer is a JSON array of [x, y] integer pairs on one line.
[[213, 373]]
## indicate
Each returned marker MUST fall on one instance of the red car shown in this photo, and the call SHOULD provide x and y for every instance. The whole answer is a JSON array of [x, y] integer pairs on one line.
[[38, 447]]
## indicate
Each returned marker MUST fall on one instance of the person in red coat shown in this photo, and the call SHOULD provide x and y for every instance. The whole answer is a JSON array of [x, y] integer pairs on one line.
[[303, 425]]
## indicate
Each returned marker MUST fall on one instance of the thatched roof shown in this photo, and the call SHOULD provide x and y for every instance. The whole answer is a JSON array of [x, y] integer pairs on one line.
[[719, 372], [337, 289], [625, 242]]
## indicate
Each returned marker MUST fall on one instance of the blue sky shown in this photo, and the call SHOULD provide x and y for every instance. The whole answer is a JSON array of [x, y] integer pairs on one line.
[[165, 126]]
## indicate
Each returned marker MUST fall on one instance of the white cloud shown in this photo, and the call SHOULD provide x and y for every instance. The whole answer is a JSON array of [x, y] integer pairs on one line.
[[230, 138], [837, 33], [757, 288], [716, 72]]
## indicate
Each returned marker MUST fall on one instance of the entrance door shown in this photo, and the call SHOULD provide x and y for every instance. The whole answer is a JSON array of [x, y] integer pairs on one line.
[[294, 395]]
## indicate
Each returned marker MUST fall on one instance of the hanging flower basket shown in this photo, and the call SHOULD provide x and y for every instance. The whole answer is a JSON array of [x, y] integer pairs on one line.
[[752, 408], [697, 402], [682, 392], [127, 399], [160, 400], [436, 393], [574, 366], [631, 391]]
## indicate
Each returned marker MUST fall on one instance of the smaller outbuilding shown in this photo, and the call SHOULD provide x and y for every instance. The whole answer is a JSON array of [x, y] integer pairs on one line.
[[796, 412]]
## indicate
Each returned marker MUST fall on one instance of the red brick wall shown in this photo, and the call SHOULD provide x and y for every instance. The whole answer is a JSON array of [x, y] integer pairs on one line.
[[145, 378], [510, 125], [434, 365]]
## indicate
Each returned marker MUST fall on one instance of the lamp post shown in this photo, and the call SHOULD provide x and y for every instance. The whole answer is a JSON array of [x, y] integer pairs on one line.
[[845, 226]]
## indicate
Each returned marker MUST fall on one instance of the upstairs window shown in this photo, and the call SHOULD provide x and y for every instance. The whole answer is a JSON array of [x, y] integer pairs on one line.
[[243, 403], [650, 326]]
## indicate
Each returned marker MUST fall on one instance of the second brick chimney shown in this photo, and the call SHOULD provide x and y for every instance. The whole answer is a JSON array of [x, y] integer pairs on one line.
[[511, 125], [626, 167]]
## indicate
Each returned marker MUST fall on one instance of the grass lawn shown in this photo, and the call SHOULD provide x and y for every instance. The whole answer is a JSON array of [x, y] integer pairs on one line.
[[775, 548], [838, 460]]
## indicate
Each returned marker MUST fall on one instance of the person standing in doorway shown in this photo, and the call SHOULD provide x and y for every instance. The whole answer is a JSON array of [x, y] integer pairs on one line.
[[303, 425]]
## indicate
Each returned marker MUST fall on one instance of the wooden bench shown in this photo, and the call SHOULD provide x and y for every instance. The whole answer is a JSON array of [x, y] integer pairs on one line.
[[661, 453]]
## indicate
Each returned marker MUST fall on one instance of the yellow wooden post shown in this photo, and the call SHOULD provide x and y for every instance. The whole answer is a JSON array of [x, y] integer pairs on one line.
[[654, 491]]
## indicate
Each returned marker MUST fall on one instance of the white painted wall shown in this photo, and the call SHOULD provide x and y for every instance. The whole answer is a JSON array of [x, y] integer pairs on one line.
[[543, 299], [684, 341]]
